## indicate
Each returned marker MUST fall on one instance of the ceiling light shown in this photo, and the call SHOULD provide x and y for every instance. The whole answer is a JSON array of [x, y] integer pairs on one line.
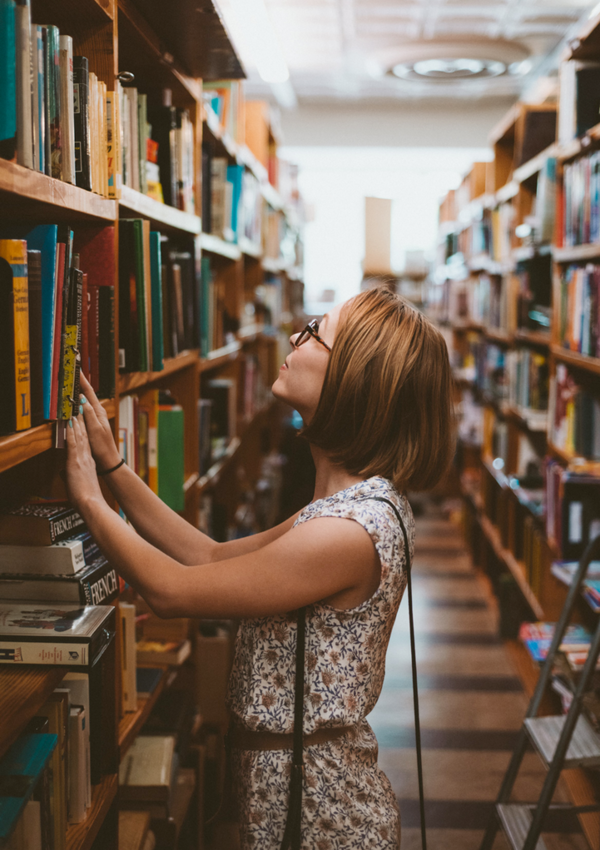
[[460, 68]]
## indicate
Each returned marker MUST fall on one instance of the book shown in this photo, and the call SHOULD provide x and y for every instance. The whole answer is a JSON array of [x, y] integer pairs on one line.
[[163, 120], [106, 341], [167, 653], [130, 97], [21, 769], [77, 764], [39, 523], [71, 356], [63, 634], [52, 98], [146, 770], [171, 463], [95, 584], [156, 302], [56, 710], [128, 657], [27, 834], [537, 637], [65, 557], [148, 407], [79, 685], [8, 82], [67, 117], [147, 679], [81, 121], [15, 411], [36, 351], [39, 109], [24, 82]]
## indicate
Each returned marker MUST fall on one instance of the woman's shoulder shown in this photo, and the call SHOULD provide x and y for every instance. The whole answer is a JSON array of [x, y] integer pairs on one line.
[[365, 497]]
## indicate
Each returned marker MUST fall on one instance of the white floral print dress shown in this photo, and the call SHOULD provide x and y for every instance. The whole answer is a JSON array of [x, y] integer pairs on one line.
[[347, 800]]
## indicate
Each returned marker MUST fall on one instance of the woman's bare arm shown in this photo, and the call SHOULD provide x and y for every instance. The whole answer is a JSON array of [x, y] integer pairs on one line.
[[148, 514]]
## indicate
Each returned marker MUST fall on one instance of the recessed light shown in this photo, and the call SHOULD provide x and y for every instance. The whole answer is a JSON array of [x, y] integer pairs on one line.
[[443, 69]]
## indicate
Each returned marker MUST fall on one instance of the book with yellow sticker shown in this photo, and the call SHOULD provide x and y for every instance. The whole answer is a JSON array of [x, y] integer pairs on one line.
[[15, 409]]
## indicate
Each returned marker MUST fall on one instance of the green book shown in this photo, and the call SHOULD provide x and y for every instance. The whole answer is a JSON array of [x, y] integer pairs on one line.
[[170, 456], [157, 302], [140, 291]]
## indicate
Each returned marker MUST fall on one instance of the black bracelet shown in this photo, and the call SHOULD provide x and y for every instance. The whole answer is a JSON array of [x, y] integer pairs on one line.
[[112, 469]]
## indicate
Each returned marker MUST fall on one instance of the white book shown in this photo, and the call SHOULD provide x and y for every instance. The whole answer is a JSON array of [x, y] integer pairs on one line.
[[93, 113], [63, 558], [79, 686], [67, 115], [77, 766], [24, 85]]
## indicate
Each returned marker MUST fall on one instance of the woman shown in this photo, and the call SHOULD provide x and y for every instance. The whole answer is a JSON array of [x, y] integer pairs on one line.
[[372, 384]]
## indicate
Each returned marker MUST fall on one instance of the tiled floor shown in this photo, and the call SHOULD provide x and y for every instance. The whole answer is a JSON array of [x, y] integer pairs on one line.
[[470, 699]]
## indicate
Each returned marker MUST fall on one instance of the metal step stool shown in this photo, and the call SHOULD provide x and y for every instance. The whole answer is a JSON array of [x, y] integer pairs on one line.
[[562, 742]]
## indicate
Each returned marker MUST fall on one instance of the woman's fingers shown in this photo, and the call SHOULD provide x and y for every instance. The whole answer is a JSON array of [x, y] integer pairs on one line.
[[90, 395]]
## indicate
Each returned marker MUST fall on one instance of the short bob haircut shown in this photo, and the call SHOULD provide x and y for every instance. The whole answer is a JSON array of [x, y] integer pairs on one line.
[[386, 405]]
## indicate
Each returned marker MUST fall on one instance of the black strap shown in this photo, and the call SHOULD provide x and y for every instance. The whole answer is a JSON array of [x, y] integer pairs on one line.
[[292, 837], [413, 655]]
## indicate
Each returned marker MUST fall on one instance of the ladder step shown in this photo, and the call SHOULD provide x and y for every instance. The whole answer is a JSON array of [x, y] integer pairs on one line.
[[516, 821], [584, 748]]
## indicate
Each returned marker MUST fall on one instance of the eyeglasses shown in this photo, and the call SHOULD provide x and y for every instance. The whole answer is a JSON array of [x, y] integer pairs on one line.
[[311, 329]]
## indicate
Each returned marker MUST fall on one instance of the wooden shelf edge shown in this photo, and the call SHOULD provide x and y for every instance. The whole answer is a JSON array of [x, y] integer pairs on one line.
[[162, 214], [219, 356], [493, 536], [23, 691], [573, 358], [214, 245], [130, 381], [532, 166], [23, 445], [131, 723], [534, 337], [80, 836], [577, 253], [25, 183]]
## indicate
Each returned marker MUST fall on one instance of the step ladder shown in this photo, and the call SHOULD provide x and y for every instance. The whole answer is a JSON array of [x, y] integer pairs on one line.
[[561, 742]]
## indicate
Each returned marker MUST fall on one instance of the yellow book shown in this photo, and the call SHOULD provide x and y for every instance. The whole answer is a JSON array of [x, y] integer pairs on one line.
[[112, 145], [14, 295]]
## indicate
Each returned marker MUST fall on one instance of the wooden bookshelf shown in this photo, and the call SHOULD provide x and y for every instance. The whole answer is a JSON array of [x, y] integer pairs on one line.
[[80, 836], [23, 445], [577, 254], [132, 721], [30, 194], [131, 381], [541, 338], [220, 356], [134, 203], [499, 335], [214, 245], [573, 358], [23, 691]]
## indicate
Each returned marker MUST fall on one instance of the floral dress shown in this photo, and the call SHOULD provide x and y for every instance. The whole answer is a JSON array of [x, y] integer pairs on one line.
[[348, 802]]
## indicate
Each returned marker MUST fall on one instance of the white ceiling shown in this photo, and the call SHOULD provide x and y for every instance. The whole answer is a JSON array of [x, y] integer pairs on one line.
[[332, 46]]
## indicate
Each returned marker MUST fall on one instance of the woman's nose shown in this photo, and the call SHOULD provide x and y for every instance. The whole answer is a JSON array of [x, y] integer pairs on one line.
[[293, 337]]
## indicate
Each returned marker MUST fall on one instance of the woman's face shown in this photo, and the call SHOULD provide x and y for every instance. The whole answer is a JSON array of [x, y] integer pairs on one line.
[[301, 377]]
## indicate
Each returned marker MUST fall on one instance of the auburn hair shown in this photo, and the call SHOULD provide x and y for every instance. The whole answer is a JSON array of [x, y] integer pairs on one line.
[[386, 404]]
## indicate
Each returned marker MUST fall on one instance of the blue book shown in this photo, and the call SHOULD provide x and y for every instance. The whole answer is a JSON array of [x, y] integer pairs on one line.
[[157, 302], [8, 80], [20, 770], [43, 238], [235, 175]]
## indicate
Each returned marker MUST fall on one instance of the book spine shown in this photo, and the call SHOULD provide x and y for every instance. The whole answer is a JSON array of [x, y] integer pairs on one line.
[[34, 268], [43, 652], [142, 141], [112, 146], [67, 122], [94, 337], [81, 121], [64, 526], [14, 252], [85, 310], [8, 83], [157, 306], [94, 130], [106, 335], [53, 88], [67, 238], [39, 118], [100, 588], [24, 83], [56, 337], [69, 401]]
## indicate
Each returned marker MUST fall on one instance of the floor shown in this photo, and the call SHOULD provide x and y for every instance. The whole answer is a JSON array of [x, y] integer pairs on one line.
[[471, 703]]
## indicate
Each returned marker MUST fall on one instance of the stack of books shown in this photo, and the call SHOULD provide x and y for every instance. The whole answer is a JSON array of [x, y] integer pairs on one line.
[[537, 638], [565, 572], [47, 554], [574, 415], [580, 309]]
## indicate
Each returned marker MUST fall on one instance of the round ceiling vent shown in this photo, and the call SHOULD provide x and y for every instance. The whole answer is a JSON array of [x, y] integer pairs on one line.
[[452, 60]]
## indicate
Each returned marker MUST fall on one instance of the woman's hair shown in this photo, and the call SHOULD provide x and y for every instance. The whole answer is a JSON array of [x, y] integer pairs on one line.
[[386, 405]]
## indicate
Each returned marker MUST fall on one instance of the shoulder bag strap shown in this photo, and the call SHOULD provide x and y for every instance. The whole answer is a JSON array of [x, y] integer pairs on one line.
[[414, 666]]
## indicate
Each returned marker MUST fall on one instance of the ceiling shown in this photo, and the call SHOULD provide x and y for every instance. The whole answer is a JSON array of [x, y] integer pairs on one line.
[[336, 49]]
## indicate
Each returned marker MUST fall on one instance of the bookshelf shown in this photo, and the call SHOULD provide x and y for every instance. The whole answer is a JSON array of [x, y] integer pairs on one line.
[[255, 291], [514, 249]]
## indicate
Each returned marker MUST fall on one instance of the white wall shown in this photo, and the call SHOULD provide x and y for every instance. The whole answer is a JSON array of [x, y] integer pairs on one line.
[[334, 182]]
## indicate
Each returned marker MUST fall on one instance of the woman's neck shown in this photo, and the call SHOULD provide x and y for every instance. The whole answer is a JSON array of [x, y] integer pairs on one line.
[[330, 477]]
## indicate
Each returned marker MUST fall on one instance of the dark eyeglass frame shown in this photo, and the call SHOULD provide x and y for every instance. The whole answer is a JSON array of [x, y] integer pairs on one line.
[[310, 330]]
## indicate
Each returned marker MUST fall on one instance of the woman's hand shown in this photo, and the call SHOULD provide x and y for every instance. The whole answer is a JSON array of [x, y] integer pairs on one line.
[[98, 428], [82, 479]]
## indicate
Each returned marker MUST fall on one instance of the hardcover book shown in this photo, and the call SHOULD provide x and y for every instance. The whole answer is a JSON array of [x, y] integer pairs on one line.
[[20, 771], [39, 523], [61, 634], [96, 584], [15, 410]]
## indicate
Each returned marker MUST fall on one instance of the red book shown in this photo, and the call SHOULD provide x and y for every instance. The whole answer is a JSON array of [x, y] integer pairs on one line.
[[60, 271], [96, 249], [93, 337], [85, 353]]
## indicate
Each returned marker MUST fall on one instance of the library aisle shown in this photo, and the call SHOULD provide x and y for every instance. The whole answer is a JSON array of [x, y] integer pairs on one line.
[[471, 701]]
